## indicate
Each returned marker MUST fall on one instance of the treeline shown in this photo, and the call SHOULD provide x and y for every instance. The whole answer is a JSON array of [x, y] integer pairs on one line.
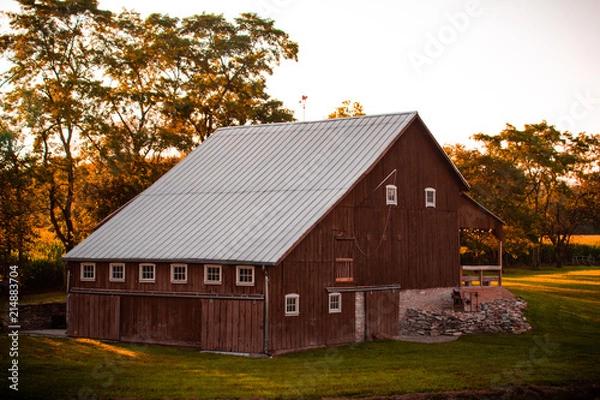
[[96, 106], [543, 183]]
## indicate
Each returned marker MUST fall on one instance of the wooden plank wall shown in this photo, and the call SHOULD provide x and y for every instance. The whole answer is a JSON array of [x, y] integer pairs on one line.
[[162, 283], [233, 325], [211, 324], [93, 316], [161, 320], [382, 314], [418, 248]]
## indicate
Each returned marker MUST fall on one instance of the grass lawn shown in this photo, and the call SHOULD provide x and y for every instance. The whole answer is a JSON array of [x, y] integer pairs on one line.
[[45, 297], [562, 349]]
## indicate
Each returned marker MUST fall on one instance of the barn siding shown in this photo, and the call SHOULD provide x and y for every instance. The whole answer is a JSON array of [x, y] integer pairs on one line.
[[135, 311], [211, 324], [100, 319], [419, 249], [163, 283]]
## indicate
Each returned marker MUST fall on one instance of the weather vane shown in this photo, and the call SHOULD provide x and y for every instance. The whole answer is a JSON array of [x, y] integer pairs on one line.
[[303, 102]]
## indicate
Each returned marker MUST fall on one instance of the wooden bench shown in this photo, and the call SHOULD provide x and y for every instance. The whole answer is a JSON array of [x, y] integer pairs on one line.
[[487, 280], [469, 279]]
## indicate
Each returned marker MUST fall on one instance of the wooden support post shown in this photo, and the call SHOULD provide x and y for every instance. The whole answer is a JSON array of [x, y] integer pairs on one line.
[[500, 262]]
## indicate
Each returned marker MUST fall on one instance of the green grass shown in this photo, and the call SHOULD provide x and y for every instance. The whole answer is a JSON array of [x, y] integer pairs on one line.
[[562, 349]]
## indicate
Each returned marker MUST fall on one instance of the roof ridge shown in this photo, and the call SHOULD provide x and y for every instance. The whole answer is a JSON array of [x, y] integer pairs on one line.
[[321, 120], [238, 191]]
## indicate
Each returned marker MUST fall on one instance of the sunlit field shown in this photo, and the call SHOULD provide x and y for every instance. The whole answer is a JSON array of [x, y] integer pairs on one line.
[[562, 350], [590, 240]]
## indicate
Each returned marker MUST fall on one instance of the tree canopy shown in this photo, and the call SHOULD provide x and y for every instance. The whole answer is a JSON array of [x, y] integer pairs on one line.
[[110, 102], [540, 181], [347, 109]]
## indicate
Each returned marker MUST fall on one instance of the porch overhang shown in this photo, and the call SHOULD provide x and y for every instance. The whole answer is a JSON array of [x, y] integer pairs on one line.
[[473, 215]]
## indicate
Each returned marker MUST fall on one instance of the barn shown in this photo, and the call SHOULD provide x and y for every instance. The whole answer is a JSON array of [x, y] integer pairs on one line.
[[279, 237]]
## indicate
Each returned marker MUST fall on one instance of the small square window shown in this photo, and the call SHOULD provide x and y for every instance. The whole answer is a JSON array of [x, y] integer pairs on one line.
[[245, 275], [430, 197], [117, 273], [88, 272], [213, 274], [292, 306], [147, 273], [178, 273], [335, 303], [391, 195]]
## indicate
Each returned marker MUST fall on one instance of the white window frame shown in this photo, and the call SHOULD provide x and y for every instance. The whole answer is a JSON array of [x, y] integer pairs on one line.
[[339, 302], [295, 298], [111, 276], [185, 272], [238, 281], [213, 282], [430, 203], [83, 271], [391, 195], [148, 280]]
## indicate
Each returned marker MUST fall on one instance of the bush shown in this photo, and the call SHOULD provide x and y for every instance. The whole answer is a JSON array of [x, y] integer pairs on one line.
[[583, 250], [42, 274], [523, 259]]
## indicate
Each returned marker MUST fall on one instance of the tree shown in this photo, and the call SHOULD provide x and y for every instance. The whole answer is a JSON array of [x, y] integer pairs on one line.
[[53, 82], [112, 101], [532, 178], [18, 208], [590, 188], [171, 83], [500, 186], [347, 109]]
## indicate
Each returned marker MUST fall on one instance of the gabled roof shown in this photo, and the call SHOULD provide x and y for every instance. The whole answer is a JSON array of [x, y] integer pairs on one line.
[[247, 194]]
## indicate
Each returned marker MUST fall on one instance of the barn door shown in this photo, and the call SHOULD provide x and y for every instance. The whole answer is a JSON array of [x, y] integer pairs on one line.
[[94, 316], [381, 314]]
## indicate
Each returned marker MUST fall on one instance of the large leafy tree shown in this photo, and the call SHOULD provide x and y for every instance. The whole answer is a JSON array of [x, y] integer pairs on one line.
[[18, 204], [53, 80], [113, 100], [533, 179], [171, 82]]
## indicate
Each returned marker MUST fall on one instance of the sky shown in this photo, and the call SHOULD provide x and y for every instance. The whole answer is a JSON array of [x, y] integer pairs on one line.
[[467, 66]]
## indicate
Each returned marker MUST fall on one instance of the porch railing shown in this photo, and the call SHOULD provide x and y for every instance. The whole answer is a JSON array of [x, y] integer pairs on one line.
[[484, 275]]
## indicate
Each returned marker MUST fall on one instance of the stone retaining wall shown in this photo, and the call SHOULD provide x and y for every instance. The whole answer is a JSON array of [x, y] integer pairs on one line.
[[41, 316], [497, 316]]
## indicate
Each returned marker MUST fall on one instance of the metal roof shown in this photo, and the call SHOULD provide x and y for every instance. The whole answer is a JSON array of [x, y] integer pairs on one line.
[[247, 194]]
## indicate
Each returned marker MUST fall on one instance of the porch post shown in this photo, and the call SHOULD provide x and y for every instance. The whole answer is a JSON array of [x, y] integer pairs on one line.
[[500, 262]]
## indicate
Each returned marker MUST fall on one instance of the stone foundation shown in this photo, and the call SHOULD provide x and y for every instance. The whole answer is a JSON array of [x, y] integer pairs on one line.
[[496, 316]]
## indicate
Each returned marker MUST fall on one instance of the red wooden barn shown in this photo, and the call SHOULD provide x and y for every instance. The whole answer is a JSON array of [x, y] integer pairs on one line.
[[279, 237]]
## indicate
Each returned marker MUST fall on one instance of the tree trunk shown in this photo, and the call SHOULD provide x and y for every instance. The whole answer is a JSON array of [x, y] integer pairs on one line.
[[535, 257]]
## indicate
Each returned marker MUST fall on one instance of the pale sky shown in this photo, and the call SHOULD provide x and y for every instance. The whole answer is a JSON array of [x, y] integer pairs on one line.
[[466, 66]]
